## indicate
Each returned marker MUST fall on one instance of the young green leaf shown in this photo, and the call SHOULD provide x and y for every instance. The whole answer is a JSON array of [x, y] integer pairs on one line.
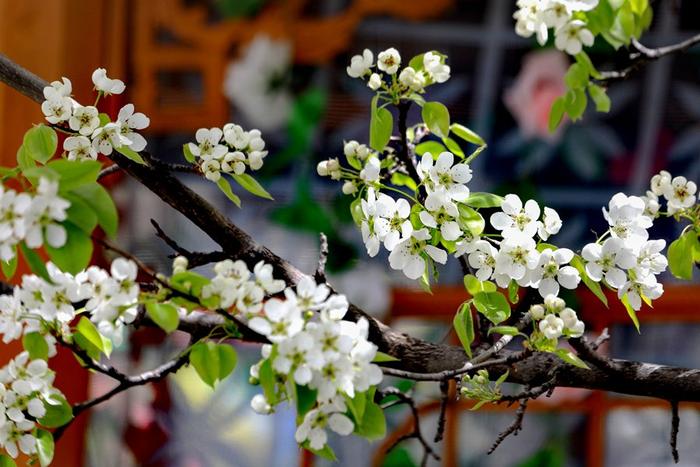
[[73, 174], [464, 327], [164, 315], [225, 187], [97, 197], [373, 424], [189, 157], [92, 337], [10, 267], [570, 357], [7, 461], [556, 114], [381, 125], [383, 357], [432, 147], [80, 213], [592, 285], [493, 305], [251, 185], [36, 264], [504, 330], [44, 447], [467, 135], [36, 345], [130, 154], [213, 362], [484, 200], [58, 412], [600, 97], [437, 117], [40, 143], [75, 255], [630, 311], [681, 255]]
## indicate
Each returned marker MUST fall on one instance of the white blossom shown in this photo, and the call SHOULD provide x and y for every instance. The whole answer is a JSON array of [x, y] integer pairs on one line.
[[360, 64], [84, 120], [551, 326], [572, 36], [552, 271], [608, 261], [79, 148], [436, 68], [105, 84], [389, 61], [680, 194], [129, 121], [408, 255], [515, 218]]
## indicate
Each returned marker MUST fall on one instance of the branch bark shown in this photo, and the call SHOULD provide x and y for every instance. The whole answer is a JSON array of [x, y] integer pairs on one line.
[[416, 356]]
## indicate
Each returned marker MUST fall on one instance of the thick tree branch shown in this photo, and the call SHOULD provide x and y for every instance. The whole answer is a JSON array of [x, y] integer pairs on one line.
[[418, 359]]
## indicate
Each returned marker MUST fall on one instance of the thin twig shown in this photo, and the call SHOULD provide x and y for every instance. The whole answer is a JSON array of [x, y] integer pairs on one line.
[[127, 382], [514, 427], [194, 258], [320, 274], [416, 433], [643, 55], [675, 422], [445, 390], [467, 368]]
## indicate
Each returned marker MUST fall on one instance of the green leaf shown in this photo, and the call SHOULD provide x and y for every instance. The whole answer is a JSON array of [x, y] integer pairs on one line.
[[570, 357], [681, 255], [36, 264], [40, 143], [384, 357], [373, 424], [576, 77], [575, 102], [471, 219], [10, 267], [225, 187], [600, 97], [75, 255], [556, 114], [99, 199], [381, 124], [453, 147], [504, 330], [164, 315], [357, 406], [493, 305], [73, 174], [92, 336], [306, 399], [437, 117], [326, 452], [432, 147], [24, 159], [268, 382], [213, 362], [189, 282], [44, 447], [80, 214], [251, 185], [130, 154], [630, 311], [7, 461], [474, 285], [484, 200], [592, 285], [417, 62], [58, 412], [36, 345], [467, 135], [513, 288], [464, 327], [104, 118], [189, 157], [584, 60]]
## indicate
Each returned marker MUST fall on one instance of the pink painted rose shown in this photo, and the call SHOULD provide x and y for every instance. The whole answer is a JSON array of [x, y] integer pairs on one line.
[[539, 83]]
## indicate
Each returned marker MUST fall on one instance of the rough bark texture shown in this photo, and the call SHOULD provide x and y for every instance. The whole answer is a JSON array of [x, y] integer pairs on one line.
[[415, 355]]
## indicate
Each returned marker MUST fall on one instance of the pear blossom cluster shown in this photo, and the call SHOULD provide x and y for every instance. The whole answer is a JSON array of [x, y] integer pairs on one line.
[[91, 135], [627, 260], [680, 194], [384, 75], [516, 257], [32, 218], [554, 319], [46, 307], [310, 343], [537, 17], [229, 150], [26, 387]]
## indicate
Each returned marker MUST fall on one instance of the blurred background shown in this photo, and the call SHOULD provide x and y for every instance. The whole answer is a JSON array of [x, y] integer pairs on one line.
[[279, 65]]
